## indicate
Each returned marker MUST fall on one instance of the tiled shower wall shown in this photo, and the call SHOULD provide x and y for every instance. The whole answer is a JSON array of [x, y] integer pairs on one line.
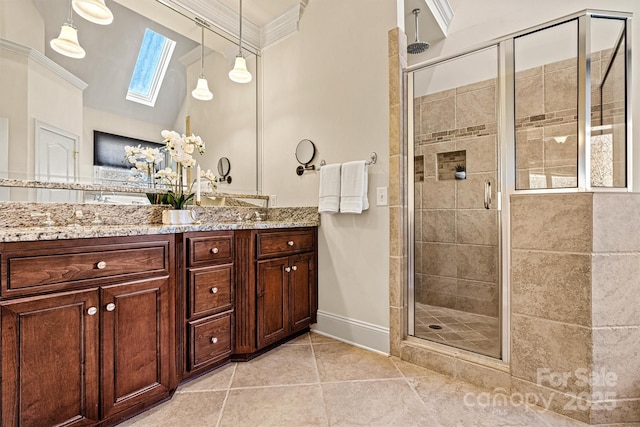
[[456, 259], [546, 110], [547, 123]]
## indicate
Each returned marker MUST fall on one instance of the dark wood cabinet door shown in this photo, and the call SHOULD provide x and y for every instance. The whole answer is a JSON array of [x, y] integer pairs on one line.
[[273, 316], [135, 344], [50, 360], [301, 291]]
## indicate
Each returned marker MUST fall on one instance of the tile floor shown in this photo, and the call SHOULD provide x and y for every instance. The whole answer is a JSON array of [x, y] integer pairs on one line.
[[317, 381], [460, 329]]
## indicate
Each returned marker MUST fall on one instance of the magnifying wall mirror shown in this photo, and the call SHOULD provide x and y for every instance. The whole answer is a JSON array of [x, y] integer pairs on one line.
[[224, 167], [305, 153]]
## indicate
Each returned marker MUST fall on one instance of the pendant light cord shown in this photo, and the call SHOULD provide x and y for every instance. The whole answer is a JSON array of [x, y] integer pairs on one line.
[[70, 14], [240, 43], [202, 54]]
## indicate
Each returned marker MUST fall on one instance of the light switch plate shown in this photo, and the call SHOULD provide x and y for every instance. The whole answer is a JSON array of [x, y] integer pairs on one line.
[[273, 201], [381, 196]]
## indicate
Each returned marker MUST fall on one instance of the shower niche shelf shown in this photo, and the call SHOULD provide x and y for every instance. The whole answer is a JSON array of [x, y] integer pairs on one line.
[[452, 165]]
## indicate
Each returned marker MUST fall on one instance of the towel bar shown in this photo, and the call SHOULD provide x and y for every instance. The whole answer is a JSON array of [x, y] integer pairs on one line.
[[373, 158]]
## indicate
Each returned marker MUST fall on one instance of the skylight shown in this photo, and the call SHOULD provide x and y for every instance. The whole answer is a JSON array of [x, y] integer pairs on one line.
[[151, 66]]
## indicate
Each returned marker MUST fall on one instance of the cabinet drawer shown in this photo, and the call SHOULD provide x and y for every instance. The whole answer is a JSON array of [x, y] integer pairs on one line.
[[210, 290], [271, 244], [211, 340], [42, 270], [216, 249]]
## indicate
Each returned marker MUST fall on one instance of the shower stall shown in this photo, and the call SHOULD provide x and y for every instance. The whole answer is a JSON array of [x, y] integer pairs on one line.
[[543, 110]]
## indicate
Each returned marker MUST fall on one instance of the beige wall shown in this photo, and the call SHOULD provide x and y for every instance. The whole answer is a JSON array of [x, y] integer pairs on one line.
[[22, 24], [328, 83]]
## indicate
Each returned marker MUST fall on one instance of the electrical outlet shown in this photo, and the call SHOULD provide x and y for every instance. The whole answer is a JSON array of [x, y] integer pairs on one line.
[[273, 201], [381, 196]]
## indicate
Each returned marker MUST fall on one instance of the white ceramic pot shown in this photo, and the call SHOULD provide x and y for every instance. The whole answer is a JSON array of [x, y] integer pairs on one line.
[[461, 175], [177, 217]]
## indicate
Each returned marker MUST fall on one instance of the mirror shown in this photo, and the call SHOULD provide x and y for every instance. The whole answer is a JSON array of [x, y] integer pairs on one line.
[[224, 167], [305, 152], [52, 104]]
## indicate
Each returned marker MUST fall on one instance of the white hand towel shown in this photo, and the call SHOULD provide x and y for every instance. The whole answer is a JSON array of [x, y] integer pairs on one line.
[[353, 187], [329, 201]]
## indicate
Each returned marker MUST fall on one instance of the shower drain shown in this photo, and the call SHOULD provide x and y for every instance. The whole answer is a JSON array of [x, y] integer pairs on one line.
[[435, 327]]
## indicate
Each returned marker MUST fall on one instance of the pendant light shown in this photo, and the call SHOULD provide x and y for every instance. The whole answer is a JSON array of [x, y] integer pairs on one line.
[[67, 42], [240, 74], [93, 11], [202, 91]]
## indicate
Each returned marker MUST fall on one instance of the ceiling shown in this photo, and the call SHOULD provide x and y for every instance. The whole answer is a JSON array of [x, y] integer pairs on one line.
[[261, 12]]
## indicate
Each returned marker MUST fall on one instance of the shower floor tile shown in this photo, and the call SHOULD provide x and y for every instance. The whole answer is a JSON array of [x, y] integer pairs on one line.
[[468, 331]]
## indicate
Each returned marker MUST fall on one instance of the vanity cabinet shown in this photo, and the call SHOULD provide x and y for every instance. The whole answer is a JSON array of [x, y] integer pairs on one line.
[[277, 287], [208, 291], [87, 329]]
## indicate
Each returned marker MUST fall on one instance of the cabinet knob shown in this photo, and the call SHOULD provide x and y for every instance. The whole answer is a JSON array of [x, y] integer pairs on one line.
[[92, 311], [110, 307], [214, 340], [214, 250], [290, 243], [101, 265], [214, 290], [287, 269], [294, 268]]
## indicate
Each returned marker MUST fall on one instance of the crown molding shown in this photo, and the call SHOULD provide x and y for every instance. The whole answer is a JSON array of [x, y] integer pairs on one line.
[[223, 18], [228, 20], [283, 25], [41, 59]]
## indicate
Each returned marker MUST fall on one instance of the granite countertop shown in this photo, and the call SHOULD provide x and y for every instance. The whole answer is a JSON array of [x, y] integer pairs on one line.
[[26, 234], [24, 223]]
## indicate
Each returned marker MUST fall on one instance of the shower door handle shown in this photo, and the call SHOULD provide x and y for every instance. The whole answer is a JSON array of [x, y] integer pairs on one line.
[[487, 195]]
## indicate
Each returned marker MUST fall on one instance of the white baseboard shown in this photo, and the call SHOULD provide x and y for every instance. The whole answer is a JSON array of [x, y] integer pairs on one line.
[[361, 334]]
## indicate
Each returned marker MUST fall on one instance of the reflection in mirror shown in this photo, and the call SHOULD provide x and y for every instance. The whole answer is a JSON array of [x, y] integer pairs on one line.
[[224, 167], [69, 98], [305, 152]]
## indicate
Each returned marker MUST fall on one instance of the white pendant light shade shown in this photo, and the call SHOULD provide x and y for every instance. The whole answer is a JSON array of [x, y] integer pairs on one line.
[[67, 42], [93, 11], [202, 91], [240, 74]]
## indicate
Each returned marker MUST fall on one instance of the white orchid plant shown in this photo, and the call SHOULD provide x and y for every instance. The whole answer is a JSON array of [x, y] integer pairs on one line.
[[144, 161], [181, 149]]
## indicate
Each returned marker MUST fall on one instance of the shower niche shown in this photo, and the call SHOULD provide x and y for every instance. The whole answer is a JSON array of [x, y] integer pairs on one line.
[[452, 165]]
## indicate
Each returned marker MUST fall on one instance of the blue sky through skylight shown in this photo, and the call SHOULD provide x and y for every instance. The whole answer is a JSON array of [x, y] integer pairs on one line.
[[151, 65]]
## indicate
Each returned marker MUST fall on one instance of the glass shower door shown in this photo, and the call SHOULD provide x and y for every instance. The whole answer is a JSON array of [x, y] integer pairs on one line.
[[456, 223]]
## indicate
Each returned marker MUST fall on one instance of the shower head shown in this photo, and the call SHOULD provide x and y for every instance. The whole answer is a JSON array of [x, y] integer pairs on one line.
[[417, 46]]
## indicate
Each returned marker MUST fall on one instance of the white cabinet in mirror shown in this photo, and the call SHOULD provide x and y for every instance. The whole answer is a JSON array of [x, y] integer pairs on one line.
[[134, 81]]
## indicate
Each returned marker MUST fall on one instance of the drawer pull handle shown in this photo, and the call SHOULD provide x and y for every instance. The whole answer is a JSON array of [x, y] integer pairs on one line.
[[214, 290], [110, 307], [214, 340], [214, 250], [294, 268], [287, 269], [92, 311], [290, 243], [101, 265]]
